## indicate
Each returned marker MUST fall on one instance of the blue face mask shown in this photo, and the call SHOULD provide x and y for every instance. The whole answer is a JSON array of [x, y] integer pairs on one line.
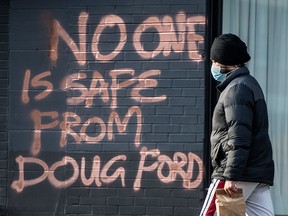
[[216, 73]]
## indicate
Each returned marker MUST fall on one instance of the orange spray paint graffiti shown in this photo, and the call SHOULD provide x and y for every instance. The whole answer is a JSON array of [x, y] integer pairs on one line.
[[36, 82], [174, 36], [175, 167], [165, 27], [67, 124], [58, 31], [109, 21], [49, 173], [142, 82], [99, 175]]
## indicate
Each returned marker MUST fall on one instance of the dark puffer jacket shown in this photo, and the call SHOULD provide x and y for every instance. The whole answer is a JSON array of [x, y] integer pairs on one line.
[[240, 145]]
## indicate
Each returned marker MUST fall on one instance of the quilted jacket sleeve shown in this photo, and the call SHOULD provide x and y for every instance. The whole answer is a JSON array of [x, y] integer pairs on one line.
[[238, 106]]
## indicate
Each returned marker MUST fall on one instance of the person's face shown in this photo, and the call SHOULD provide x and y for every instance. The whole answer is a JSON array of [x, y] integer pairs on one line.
[[214, 63], [224, 68]]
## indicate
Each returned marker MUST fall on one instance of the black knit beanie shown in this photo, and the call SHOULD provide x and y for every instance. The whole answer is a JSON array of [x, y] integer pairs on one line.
[[229, 49]]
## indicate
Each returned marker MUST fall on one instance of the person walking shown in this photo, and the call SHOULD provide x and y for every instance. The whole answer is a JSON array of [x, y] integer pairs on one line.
[[241, 151]]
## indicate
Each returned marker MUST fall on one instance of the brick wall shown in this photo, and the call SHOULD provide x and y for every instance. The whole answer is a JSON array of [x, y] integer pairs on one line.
[[106, 112], [4, 29]]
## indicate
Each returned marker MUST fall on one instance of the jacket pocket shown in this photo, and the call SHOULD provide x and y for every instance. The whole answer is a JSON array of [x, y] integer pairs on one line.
[[218, 155], [215, 151]]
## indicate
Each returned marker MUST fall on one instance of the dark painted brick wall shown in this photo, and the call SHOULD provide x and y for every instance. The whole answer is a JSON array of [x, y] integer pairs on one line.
[[106, 107], [4, 56]]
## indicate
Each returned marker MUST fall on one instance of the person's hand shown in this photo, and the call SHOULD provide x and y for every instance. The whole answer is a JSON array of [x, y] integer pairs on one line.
[[230, 187]]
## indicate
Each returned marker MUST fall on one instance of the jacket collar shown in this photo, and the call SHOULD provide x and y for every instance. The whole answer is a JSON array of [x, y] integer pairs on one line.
[[230, 76]]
